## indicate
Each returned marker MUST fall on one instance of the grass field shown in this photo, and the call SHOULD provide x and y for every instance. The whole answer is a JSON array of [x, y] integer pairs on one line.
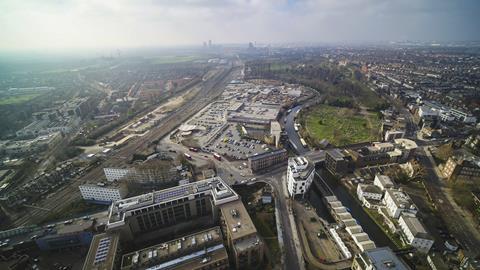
[[172, 59], [340, 126], [11, 100]]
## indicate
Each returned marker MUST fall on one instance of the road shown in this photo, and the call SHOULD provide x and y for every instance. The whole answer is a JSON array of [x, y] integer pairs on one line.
[[293, 136], [467, 235], [210, 89]]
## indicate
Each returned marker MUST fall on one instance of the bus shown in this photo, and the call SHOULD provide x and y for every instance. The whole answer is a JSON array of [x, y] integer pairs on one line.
[[188, 156], [217, 156]]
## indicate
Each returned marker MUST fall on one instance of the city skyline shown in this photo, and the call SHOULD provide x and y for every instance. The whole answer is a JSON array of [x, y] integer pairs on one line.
[[57, 25]]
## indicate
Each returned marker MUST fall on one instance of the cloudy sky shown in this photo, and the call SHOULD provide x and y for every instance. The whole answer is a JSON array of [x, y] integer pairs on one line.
[[60, 24]]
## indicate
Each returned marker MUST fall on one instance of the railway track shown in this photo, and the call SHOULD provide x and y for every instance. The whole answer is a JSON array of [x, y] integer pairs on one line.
[[210, 89]]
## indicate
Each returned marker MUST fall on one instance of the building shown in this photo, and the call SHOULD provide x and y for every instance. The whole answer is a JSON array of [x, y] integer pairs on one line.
[[67, 236], [397, 202], [173, 210], [369, 195], [103, 252], [390, 135], [462, 168], [115, 174], [201, 250], [415, 233], [276, 132], [245, 245], [300, 174], [398, 151], [266, 160], [383, 182], [103, 193], [336, 161], [378, 259]]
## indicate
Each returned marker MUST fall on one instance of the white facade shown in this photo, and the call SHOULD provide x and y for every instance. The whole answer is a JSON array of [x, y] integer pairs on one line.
[[115, 174], [369, 192], [102, 193], [390, 135], [415, 233], [300, 175], [382, 181], [397, 202]]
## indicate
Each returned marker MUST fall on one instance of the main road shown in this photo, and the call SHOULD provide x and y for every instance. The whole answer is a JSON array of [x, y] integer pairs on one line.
[[293, 135]]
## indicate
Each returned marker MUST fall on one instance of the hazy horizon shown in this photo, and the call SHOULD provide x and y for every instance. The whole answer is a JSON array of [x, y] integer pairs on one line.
[[86, 24]]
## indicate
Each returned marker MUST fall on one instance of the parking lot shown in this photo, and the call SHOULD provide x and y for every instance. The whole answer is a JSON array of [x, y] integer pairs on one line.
[[230, 144]]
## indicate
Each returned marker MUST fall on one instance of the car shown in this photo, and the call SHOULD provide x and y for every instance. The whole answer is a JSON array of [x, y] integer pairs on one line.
[[253, 179]]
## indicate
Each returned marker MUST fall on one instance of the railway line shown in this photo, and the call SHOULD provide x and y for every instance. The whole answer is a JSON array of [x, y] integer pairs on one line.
[[210, 89]]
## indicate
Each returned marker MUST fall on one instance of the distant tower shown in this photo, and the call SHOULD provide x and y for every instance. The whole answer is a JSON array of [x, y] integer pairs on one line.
[[210, 43], [250, 45], [204, 44]]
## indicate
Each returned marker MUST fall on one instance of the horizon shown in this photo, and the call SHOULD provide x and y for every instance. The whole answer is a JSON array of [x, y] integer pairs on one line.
[[84, 25]]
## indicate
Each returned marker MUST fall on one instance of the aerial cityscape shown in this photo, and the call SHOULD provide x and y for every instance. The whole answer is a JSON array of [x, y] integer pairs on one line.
[[223, 137]]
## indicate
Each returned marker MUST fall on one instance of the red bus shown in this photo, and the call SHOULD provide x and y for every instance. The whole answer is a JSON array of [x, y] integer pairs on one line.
[[188, 156], [217, 156]]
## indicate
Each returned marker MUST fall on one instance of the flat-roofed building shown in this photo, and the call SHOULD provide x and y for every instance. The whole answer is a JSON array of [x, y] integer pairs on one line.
[[383, 182], [300, 174], [415, 233], [462, 168], [103, 193], [378, 259], [102, 254], [171, 210], [201, 250], [244, 243], [336, 161], [266, 160], [398, 202], [369, 195]]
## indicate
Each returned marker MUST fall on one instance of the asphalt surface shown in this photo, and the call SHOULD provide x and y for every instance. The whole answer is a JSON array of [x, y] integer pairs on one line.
[[293, 136], [466, 235]]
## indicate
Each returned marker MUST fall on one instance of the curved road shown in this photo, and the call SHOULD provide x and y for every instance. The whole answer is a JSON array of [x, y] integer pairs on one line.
[[293, 136]]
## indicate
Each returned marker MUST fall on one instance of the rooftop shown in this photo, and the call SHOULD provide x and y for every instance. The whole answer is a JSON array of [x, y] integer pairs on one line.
[[101, 255], [172, 252], [415, 227], [383, 259], [336, 154], [214, 187], [237, 220], [266, 154]]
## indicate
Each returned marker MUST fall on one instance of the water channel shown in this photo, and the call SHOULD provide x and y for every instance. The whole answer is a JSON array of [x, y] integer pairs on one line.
[[363, 219]]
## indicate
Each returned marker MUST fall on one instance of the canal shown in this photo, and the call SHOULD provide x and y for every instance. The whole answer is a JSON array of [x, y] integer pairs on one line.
[[363, 219]]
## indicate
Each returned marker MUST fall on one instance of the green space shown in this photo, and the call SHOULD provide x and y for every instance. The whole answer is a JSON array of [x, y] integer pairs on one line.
[[172, 59], [11, 100], [340, 126]]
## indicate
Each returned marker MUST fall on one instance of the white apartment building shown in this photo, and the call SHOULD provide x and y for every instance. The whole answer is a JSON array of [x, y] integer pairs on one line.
[[369, 195], [415, 233], [115, 174], [102, 193], [300, 173], [383, 182], [397, 202]]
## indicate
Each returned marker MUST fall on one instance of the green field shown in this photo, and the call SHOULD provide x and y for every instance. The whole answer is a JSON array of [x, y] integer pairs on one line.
[[172, 59], [340, 126], [11, 100]]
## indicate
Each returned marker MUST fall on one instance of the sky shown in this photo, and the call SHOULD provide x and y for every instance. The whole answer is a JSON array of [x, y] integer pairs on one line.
[[70, 24]]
